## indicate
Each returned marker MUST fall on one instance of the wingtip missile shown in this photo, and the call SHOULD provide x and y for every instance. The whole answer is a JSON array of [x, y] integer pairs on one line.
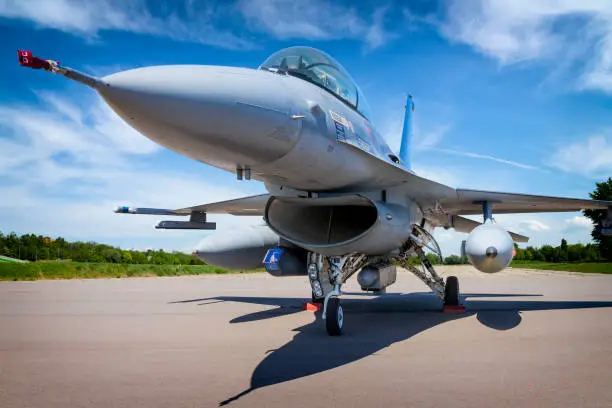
[[122, 209]]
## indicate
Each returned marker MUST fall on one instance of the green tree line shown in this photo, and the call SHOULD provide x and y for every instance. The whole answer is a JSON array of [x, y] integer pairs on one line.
[[561, 253], [33, 247]]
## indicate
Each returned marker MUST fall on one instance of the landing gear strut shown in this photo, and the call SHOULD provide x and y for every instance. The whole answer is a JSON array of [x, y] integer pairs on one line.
[[447, 291], [326, 275]]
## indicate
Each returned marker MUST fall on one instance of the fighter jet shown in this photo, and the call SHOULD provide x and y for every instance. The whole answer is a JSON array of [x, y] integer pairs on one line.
[[339, 200]]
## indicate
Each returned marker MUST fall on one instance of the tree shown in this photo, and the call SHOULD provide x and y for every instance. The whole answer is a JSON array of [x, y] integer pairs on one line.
[[454, 260], [126, 257], [603, 191], [563, 251], [44, 253], [433, 259]]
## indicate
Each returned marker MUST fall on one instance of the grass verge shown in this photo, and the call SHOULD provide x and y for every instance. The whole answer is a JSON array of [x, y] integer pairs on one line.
[[7, 259], [587, 267], [78, 270]]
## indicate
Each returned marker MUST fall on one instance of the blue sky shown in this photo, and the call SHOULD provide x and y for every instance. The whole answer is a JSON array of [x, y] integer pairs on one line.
[[510, 96]]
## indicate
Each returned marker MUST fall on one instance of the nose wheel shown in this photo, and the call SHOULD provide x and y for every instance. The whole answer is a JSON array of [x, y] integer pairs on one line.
[[334, 317]]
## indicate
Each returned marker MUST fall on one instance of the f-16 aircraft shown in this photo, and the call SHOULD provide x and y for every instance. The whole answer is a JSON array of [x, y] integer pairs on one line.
[[339, 200]]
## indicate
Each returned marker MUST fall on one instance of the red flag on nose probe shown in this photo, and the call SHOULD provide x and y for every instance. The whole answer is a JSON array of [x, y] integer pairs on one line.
[[26, 59]]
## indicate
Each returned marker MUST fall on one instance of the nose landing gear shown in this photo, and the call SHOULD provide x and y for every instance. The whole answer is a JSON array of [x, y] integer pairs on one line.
[[334, 317], [326, 275]]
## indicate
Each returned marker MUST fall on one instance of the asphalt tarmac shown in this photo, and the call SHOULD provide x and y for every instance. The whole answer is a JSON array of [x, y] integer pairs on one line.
[[528, 339]]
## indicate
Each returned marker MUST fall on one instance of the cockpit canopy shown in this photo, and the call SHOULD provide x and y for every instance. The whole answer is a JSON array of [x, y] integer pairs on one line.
[[319, 68]]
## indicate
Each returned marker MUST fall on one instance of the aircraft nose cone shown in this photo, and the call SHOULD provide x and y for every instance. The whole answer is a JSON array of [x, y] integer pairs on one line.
[[223, 116]]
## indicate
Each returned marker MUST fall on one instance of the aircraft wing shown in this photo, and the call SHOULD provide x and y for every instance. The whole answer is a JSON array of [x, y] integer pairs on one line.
[[433, 195], [252, 205], [426, 192], [470, 202]]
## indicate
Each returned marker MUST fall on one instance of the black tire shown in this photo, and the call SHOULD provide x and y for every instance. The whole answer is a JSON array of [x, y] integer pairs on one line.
[[334, 317], [451, 291]]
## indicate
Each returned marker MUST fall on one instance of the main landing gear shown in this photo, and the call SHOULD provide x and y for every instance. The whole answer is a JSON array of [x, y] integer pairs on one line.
[[447, 291], [327, 274]]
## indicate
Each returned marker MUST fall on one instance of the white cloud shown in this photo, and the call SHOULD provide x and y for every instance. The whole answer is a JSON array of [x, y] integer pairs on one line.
[[486, 157], [376, 35], [592, 157], [430, 122], [547, 229], [205, 22], [92, 137], [534, 225], [65, 168], [512, 31], [315, 20], [431, 138], [578, 222], [88, 20], [439, 174]]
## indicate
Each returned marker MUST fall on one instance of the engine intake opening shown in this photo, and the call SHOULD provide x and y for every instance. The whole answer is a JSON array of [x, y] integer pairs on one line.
[[321, 224]]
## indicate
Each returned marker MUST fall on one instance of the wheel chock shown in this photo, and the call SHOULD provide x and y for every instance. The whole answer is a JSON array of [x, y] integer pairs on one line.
[[454, 309], [312, 306]]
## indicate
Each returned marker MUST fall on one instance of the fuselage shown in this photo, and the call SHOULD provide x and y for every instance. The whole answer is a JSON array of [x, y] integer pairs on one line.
[[281, 129]]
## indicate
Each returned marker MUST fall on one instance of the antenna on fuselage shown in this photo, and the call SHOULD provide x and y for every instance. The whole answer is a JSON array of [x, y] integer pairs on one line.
[[404, 154]]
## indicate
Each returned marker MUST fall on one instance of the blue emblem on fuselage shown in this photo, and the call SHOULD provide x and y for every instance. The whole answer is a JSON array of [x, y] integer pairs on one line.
[[272, 259]]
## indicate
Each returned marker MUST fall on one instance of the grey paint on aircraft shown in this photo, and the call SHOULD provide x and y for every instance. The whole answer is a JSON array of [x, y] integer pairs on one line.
[[301, 127]]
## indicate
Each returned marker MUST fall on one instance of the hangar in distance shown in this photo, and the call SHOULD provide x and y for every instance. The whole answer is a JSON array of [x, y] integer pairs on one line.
[[340, 202]]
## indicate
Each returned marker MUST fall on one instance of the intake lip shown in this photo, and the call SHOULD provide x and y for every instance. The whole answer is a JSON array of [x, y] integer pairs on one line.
[[339, 224]]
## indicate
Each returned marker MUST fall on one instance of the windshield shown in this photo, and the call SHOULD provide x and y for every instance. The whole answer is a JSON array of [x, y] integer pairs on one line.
[[319, 68]]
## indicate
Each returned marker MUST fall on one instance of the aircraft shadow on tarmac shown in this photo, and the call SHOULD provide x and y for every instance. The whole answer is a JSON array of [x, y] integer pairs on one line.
[[372, 325]]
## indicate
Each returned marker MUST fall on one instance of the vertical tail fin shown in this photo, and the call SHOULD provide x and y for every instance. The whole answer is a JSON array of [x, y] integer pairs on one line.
[[407, 133]]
